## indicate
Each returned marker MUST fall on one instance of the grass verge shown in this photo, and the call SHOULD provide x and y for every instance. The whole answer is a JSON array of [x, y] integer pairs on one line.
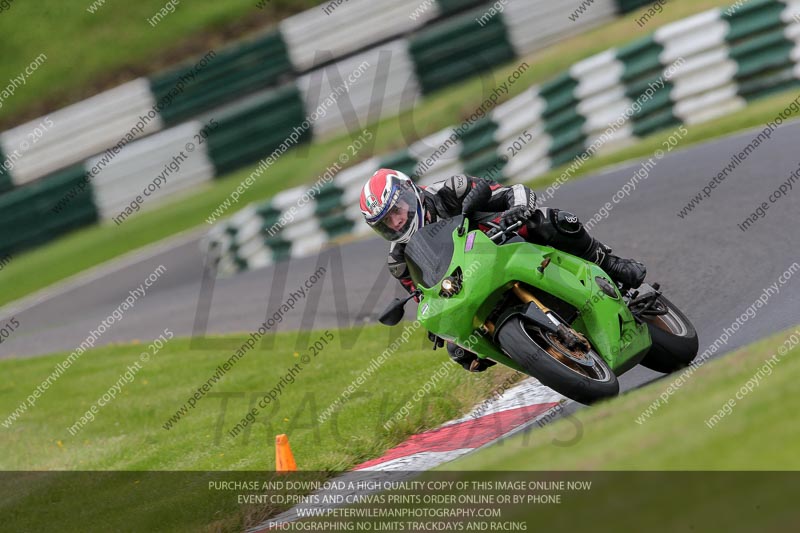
[[155, 479], [671, 472], [755, 433], [128, 433]]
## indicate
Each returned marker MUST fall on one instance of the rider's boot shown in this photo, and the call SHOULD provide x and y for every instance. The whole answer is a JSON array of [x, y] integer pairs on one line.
[[629, 272], [561, 229]]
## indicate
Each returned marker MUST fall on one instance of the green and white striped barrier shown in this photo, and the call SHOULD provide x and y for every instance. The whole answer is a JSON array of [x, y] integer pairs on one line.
[[687, 72], [262, 89], [80, 130]]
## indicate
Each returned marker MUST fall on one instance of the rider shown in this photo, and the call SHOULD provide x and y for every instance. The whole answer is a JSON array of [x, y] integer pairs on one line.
[[395, 207]]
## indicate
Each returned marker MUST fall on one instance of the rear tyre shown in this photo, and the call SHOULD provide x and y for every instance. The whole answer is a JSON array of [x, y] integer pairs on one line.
[[584, 377], [674, 338]]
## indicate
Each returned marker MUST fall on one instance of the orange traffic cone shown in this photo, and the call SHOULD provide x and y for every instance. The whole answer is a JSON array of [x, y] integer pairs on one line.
[[284, 460]]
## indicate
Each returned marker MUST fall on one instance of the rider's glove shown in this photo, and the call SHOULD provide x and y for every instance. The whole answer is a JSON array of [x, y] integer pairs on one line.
[[438, 342], [516, 214], [520, 213]]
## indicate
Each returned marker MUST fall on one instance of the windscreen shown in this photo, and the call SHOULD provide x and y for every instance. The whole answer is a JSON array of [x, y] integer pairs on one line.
[[430, 250]]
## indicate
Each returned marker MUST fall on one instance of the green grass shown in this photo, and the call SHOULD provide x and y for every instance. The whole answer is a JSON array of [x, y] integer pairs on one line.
[[113, 45], [672, 472], [756, 435], [85, 248], [127, 434]]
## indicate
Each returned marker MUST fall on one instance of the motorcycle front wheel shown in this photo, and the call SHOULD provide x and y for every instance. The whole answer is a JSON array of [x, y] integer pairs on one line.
[[579, 373], [674, 338]]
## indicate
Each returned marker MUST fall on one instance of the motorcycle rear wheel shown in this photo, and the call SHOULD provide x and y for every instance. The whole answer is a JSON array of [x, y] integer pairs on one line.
[[584, 377]]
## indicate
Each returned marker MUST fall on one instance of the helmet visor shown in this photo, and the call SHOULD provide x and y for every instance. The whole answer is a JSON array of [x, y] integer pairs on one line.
[[400, 216]]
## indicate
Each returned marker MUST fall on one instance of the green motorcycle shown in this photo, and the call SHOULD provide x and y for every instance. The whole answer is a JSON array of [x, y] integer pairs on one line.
[[538, 310]]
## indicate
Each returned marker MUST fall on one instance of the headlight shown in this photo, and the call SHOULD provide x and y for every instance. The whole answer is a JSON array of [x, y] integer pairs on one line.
[[450, 287]]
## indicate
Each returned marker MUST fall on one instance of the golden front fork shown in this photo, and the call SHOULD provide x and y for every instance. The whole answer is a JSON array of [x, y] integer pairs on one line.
[[525, 297]]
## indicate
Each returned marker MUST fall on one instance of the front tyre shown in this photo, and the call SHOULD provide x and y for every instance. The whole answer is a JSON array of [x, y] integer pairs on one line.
[[584, 377], [674, 338]]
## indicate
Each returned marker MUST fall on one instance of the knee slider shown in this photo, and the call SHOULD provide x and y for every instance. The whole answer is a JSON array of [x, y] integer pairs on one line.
[[566, 223]]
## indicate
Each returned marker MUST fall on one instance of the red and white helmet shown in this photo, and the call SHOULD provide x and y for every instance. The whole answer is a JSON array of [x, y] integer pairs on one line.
[[392, 205]]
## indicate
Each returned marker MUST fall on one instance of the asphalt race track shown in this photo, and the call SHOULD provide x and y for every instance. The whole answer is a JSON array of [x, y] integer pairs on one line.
[[705, 263]]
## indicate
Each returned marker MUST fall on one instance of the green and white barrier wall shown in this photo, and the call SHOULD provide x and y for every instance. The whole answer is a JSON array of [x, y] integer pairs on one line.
[[25, 213], [686, 72], [261, 89]]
